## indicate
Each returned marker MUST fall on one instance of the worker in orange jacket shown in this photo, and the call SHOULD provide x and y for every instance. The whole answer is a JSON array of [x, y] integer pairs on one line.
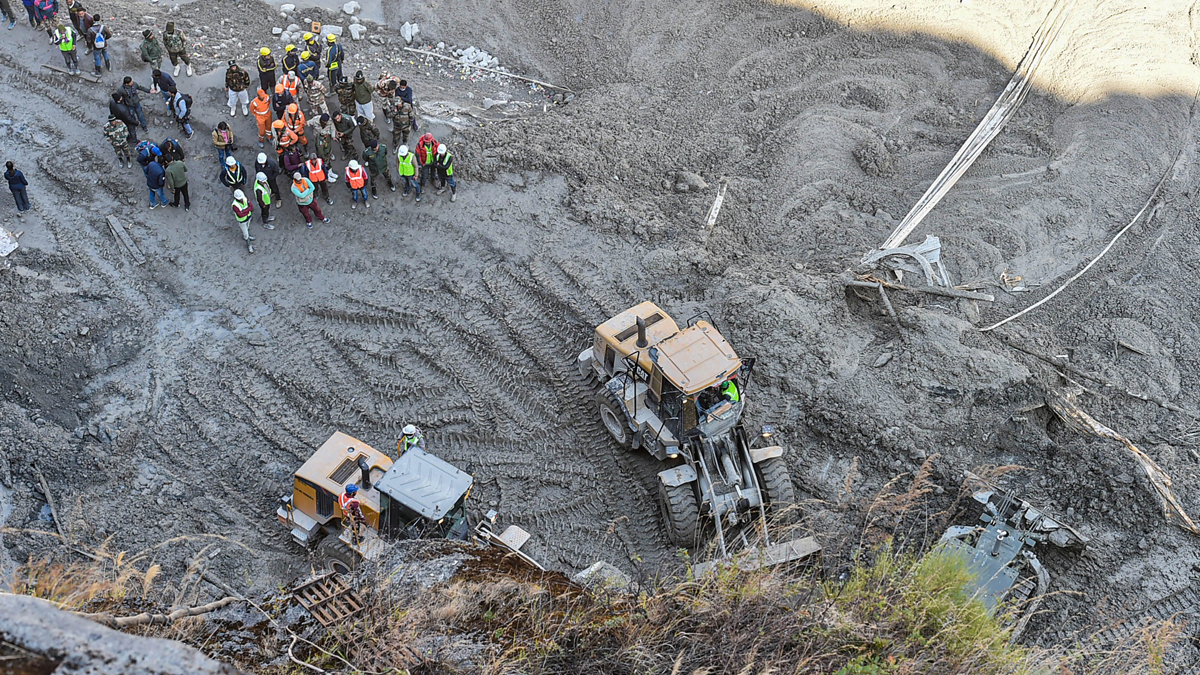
[[261, 107], [285, 138], [294, 120], [291, 84]]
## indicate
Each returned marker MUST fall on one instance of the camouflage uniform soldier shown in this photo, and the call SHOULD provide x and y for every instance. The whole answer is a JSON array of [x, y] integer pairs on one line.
[[118, 134]]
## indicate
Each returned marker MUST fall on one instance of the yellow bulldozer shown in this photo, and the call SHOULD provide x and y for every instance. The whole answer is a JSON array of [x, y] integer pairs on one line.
[[679, 394], [417, 495]]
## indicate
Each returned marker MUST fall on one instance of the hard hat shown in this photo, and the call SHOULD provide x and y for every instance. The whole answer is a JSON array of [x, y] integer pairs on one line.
[[354, 165], [229, 161], [307, 36], [277, 124], [403, 150], [289, 48], [262, 158], [441, 148], [279, 88], [306, 55], [238, 194], [331, 37], [293, 108], [351, 489], [260, 177], [409, 430], [296, 176], [265, 51]]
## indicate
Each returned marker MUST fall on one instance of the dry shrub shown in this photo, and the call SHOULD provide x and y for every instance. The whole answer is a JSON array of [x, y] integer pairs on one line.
[[107, 578]]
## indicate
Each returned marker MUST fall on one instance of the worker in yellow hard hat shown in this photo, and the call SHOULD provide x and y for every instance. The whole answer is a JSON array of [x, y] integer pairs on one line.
[[333, 61], [266, 69], [307, 67], [314, 49], [291, 59]]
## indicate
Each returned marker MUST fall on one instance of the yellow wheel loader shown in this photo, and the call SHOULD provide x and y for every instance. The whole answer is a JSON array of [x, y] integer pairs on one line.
[[679, 394], [417, 495]]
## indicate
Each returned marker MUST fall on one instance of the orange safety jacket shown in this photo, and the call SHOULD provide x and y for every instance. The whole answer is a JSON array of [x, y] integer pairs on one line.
[[356, 179], [316, 170], [291, 84]]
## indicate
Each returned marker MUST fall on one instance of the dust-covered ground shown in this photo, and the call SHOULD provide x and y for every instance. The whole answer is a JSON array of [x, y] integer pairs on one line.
[[169, 402]]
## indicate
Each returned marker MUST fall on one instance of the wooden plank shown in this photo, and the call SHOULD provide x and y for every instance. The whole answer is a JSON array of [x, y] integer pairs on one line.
[[85, 76], [123, 236]]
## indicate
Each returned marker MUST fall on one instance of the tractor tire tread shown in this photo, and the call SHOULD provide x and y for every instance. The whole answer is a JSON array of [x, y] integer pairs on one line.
[[777, 484], [682, 514]]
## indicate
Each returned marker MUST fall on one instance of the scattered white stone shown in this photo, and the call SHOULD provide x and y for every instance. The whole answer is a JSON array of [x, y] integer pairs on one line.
[[277, 31], [293, 28], [285, 38], [354, 20], [409, 31], [441, 45], [287, 8], [357, 31], [351, 7], [489, 103]]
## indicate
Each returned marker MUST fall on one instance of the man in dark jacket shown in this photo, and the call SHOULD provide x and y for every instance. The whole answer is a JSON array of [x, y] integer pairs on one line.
[[237, 82], [234, 176], [343, 130], [171, 150], [177, 181], [118, 107], [151, 49], [129, 90], [156, 178], [405, 93], [270, 169], [98, 36], [280, 100]]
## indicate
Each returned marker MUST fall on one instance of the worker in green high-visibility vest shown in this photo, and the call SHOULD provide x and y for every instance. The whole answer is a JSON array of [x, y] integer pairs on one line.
[[730, 392], [66, 36]]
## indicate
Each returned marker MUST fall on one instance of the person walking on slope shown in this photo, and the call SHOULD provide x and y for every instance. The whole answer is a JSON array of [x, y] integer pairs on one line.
[[17, 184], [264, 166], [261, 107], [129, 90], [176, 43], [118, 135], [237, 85], [243, 211], [356, 180], [181, 107], [317, 171], [443, 163], [406, 165], [333, 60], [178, 182], [222, 138], [98, 37], [363, 107], [234, 176], [156, 178], [65, 37], [262, 197], [376, 159], [151, 50], [266, 69], [303, 189]]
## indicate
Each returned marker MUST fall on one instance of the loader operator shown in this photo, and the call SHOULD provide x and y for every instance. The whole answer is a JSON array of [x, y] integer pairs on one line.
[[714, 397], [412, 438], [352, 508]]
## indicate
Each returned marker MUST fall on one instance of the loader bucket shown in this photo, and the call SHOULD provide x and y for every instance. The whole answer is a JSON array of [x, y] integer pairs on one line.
[[763, 556]]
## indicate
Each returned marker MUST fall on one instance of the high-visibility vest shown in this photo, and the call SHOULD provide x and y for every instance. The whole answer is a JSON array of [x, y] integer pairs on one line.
[[262, 192], [291, 84], [357, 179], [344, 503], [730, 389], [316, 171], [242, 206], [445, 163], [68, 40], [294, 122], [407, 165]]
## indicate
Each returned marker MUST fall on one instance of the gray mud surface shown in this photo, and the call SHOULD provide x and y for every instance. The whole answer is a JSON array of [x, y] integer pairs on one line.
[[170, 402]]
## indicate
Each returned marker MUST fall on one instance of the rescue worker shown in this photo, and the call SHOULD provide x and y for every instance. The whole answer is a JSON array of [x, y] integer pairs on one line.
[[285, 138], [313, 48], [307, 68], [222, 138], [263, 165], [97, 39], [356, 180], [237, 84], [292, 161], [363, 107], [262, 197], [176, 43], [386, 89], [730, 391], [303, 189], [280, 100], [426, 146], [295, 121], [317, 171], [411, 438], [323, 136], [234, 176], [118, 135], [150, 50], [314, 93], [261, 107], [406, 167], [266, 69], [344, 91], [351, 507], [402, 118], [334, 54], [443, 163], [178, 182], [291, 84], [181, 107], [375, 156], [291, 59], [242, 211], [367, 131], [343, 129], [65, 37]]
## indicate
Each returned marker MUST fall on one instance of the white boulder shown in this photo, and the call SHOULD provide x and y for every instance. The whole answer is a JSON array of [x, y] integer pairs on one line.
[[357, 31], [351, 8], [293, 28], [409, 31]]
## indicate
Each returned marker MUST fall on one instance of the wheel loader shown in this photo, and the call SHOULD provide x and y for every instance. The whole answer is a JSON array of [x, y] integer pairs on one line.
[[679, 394], [417, 495]]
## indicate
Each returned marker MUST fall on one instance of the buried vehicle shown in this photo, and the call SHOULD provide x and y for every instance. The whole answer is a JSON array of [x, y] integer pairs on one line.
[[679, 394], [415, 496], [1000, 553]]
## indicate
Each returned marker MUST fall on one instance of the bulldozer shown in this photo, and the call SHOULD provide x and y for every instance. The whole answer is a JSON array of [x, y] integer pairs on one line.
[[416, 496], [679, 394]]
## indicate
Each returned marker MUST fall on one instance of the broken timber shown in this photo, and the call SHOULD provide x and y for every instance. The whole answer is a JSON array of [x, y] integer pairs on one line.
[[122, 236], [715, 210], [90, 78], [443, 57], [328, 599]]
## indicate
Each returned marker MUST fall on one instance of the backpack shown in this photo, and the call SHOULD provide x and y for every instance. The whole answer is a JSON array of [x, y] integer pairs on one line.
[[100, 42]]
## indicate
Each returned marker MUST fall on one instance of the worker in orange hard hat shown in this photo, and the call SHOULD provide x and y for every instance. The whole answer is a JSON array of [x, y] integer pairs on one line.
[[261, 107], [295, 121]]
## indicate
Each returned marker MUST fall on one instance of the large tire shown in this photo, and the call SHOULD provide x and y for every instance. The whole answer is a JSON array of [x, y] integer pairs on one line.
[[614, 418], [334, 555], [776, 483], [681, 513]]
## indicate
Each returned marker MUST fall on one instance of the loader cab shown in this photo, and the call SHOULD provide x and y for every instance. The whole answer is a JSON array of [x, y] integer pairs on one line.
[[422, 495], [688, 370]]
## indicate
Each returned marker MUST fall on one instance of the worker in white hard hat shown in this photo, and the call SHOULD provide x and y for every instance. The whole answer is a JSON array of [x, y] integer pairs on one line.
[[412, 438]]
